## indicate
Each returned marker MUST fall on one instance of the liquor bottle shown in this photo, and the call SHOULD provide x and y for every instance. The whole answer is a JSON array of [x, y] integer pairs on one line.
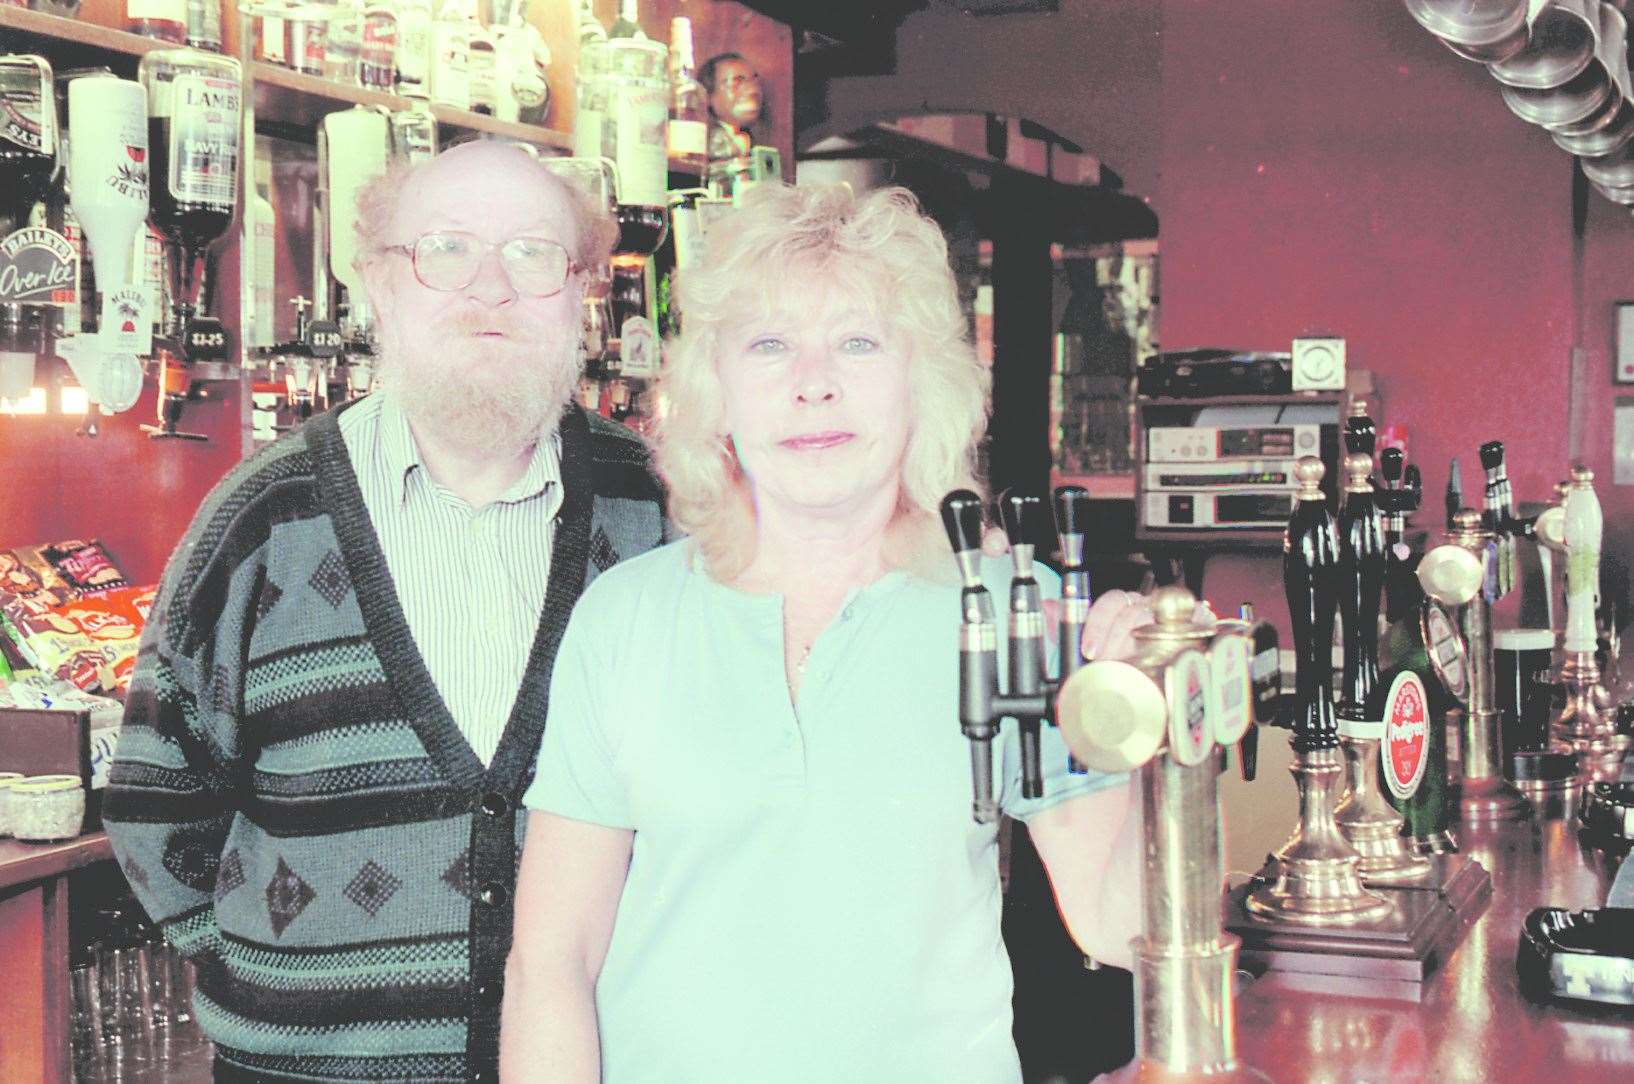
[[204, 24], [414, 55], [628, 23], [262, 333], [632, 136], [194, 128], [1424, 643], [165, 20], [343, 44], [108, 170], [377, 57], [272, 40], [149, 269], [483, 91], [448, 57], [688, 104], [308, 38], [412, 134], [28, 137], [524, 58], [590, 28]]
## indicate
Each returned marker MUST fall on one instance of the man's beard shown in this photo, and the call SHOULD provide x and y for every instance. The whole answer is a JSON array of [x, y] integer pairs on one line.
[[486, 396]]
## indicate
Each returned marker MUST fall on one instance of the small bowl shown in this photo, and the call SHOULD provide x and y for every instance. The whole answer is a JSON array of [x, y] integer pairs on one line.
[[47, 808]]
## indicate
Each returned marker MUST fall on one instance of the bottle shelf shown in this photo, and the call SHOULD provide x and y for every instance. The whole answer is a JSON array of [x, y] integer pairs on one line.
[[283, 97]]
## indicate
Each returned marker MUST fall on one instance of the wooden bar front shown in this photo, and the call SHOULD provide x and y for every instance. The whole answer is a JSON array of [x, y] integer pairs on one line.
[[1469, 1021], [34, 1008]]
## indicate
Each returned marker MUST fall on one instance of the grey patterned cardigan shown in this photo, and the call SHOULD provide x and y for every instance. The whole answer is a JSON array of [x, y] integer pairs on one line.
[[292, 801]]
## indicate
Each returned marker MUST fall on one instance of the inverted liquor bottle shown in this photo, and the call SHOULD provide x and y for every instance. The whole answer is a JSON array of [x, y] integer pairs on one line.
[[108, 171], [194, 129], [28, 138]]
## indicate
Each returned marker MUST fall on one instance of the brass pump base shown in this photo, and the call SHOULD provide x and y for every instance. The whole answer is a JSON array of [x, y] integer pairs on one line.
[[1485, 796], [1173, 992], [1372, 825], [1316, 880], [1584, 726]]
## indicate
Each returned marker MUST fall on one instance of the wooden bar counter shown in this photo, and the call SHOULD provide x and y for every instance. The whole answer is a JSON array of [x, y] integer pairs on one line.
[[1469, 1020], [34, 1002]]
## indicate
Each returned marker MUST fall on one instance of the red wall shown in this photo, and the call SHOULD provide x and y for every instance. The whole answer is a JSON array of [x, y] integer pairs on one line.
[[1329, 166], [136, 494]]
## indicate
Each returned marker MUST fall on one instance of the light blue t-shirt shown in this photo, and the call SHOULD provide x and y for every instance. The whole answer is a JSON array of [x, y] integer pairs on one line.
[[808, 897]]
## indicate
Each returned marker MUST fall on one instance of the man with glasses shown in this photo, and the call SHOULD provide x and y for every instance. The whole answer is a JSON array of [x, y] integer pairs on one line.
[[340, 695]]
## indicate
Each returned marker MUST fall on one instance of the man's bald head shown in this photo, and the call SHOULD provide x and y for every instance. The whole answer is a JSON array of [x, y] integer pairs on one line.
[[391, 209]]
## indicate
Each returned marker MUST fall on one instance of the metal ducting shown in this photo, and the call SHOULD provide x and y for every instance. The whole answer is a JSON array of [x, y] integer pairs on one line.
[[1561, 64]]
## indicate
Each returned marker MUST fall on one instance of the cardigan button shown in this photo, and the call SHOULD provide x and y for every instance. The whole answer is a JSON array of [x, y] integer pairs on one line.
[[495, 804], [493, 894]]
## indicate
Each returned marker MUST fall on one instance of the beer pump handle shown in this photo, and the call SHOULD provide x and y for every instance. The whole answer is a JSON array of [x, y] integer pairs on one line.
[[962, 517], [1391, 462], [1071, 527], [978, 657], [1072, 523], [1412, 483], [1361, 435], [1310, 568], [1361, 584], [1022, 515], [1453, 499]]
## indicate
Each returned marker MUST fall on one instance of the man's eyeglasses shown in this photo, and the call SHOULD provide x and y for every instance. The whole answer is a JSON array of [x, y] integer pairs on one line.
[[451, 260]]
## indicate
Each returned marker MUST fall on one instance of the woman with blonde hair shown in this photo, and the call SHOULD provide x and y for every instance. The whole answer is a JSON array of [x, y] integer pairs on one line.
[[750, 855]]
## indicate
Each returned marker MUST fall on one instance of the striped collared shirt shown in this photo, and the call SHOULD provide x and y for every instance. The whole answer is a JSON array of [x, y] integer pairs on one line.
[[471, 581]]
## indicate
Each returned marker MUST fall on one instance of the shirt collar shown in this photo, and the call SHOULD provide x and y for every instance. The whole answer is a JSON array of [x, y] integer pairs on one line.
[[401, 456]]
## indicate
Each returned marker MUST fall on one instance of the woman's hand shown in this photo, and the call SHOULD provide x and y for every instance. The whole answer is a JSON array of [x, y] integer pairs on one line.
[[1109, 630]]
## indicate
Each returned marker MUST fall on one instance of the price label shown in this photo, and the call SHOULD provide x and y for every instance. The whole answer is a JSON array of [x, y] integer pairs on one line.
[[38, 266], [205, 340], [323, 338]]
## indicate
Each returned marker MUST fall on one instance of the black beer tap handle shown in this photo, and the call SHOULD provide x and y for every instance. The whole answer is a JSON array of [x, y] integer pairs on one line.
[[1391, 462], [1492, 455], [962, 516], [1072, 523], [1022, 514], [1361, 435], [1412, 483], [1310, 567]]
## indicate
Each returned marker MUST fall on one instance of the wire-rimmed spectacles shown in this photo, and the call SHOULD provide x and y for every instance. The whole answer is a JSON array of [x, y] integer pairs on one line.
[[451, 259]]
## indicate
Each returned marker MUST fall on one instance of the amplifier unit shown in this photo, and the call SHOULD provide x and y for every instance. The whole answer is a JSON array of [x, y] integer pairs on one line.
[[1216, 509], [1204, 443]]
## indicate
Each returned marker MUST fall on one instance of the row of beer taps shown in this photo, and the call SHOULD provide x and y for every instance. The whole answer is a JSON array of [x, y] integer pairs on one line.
[[1376, 804]]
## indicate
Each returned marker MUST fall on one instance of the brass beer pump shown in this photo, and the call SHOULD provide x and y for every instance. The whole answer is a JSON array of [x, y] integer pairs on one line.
[[1585, 725], [1365, 817], [1485, 795], [1164, 714], [1314, 878]]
